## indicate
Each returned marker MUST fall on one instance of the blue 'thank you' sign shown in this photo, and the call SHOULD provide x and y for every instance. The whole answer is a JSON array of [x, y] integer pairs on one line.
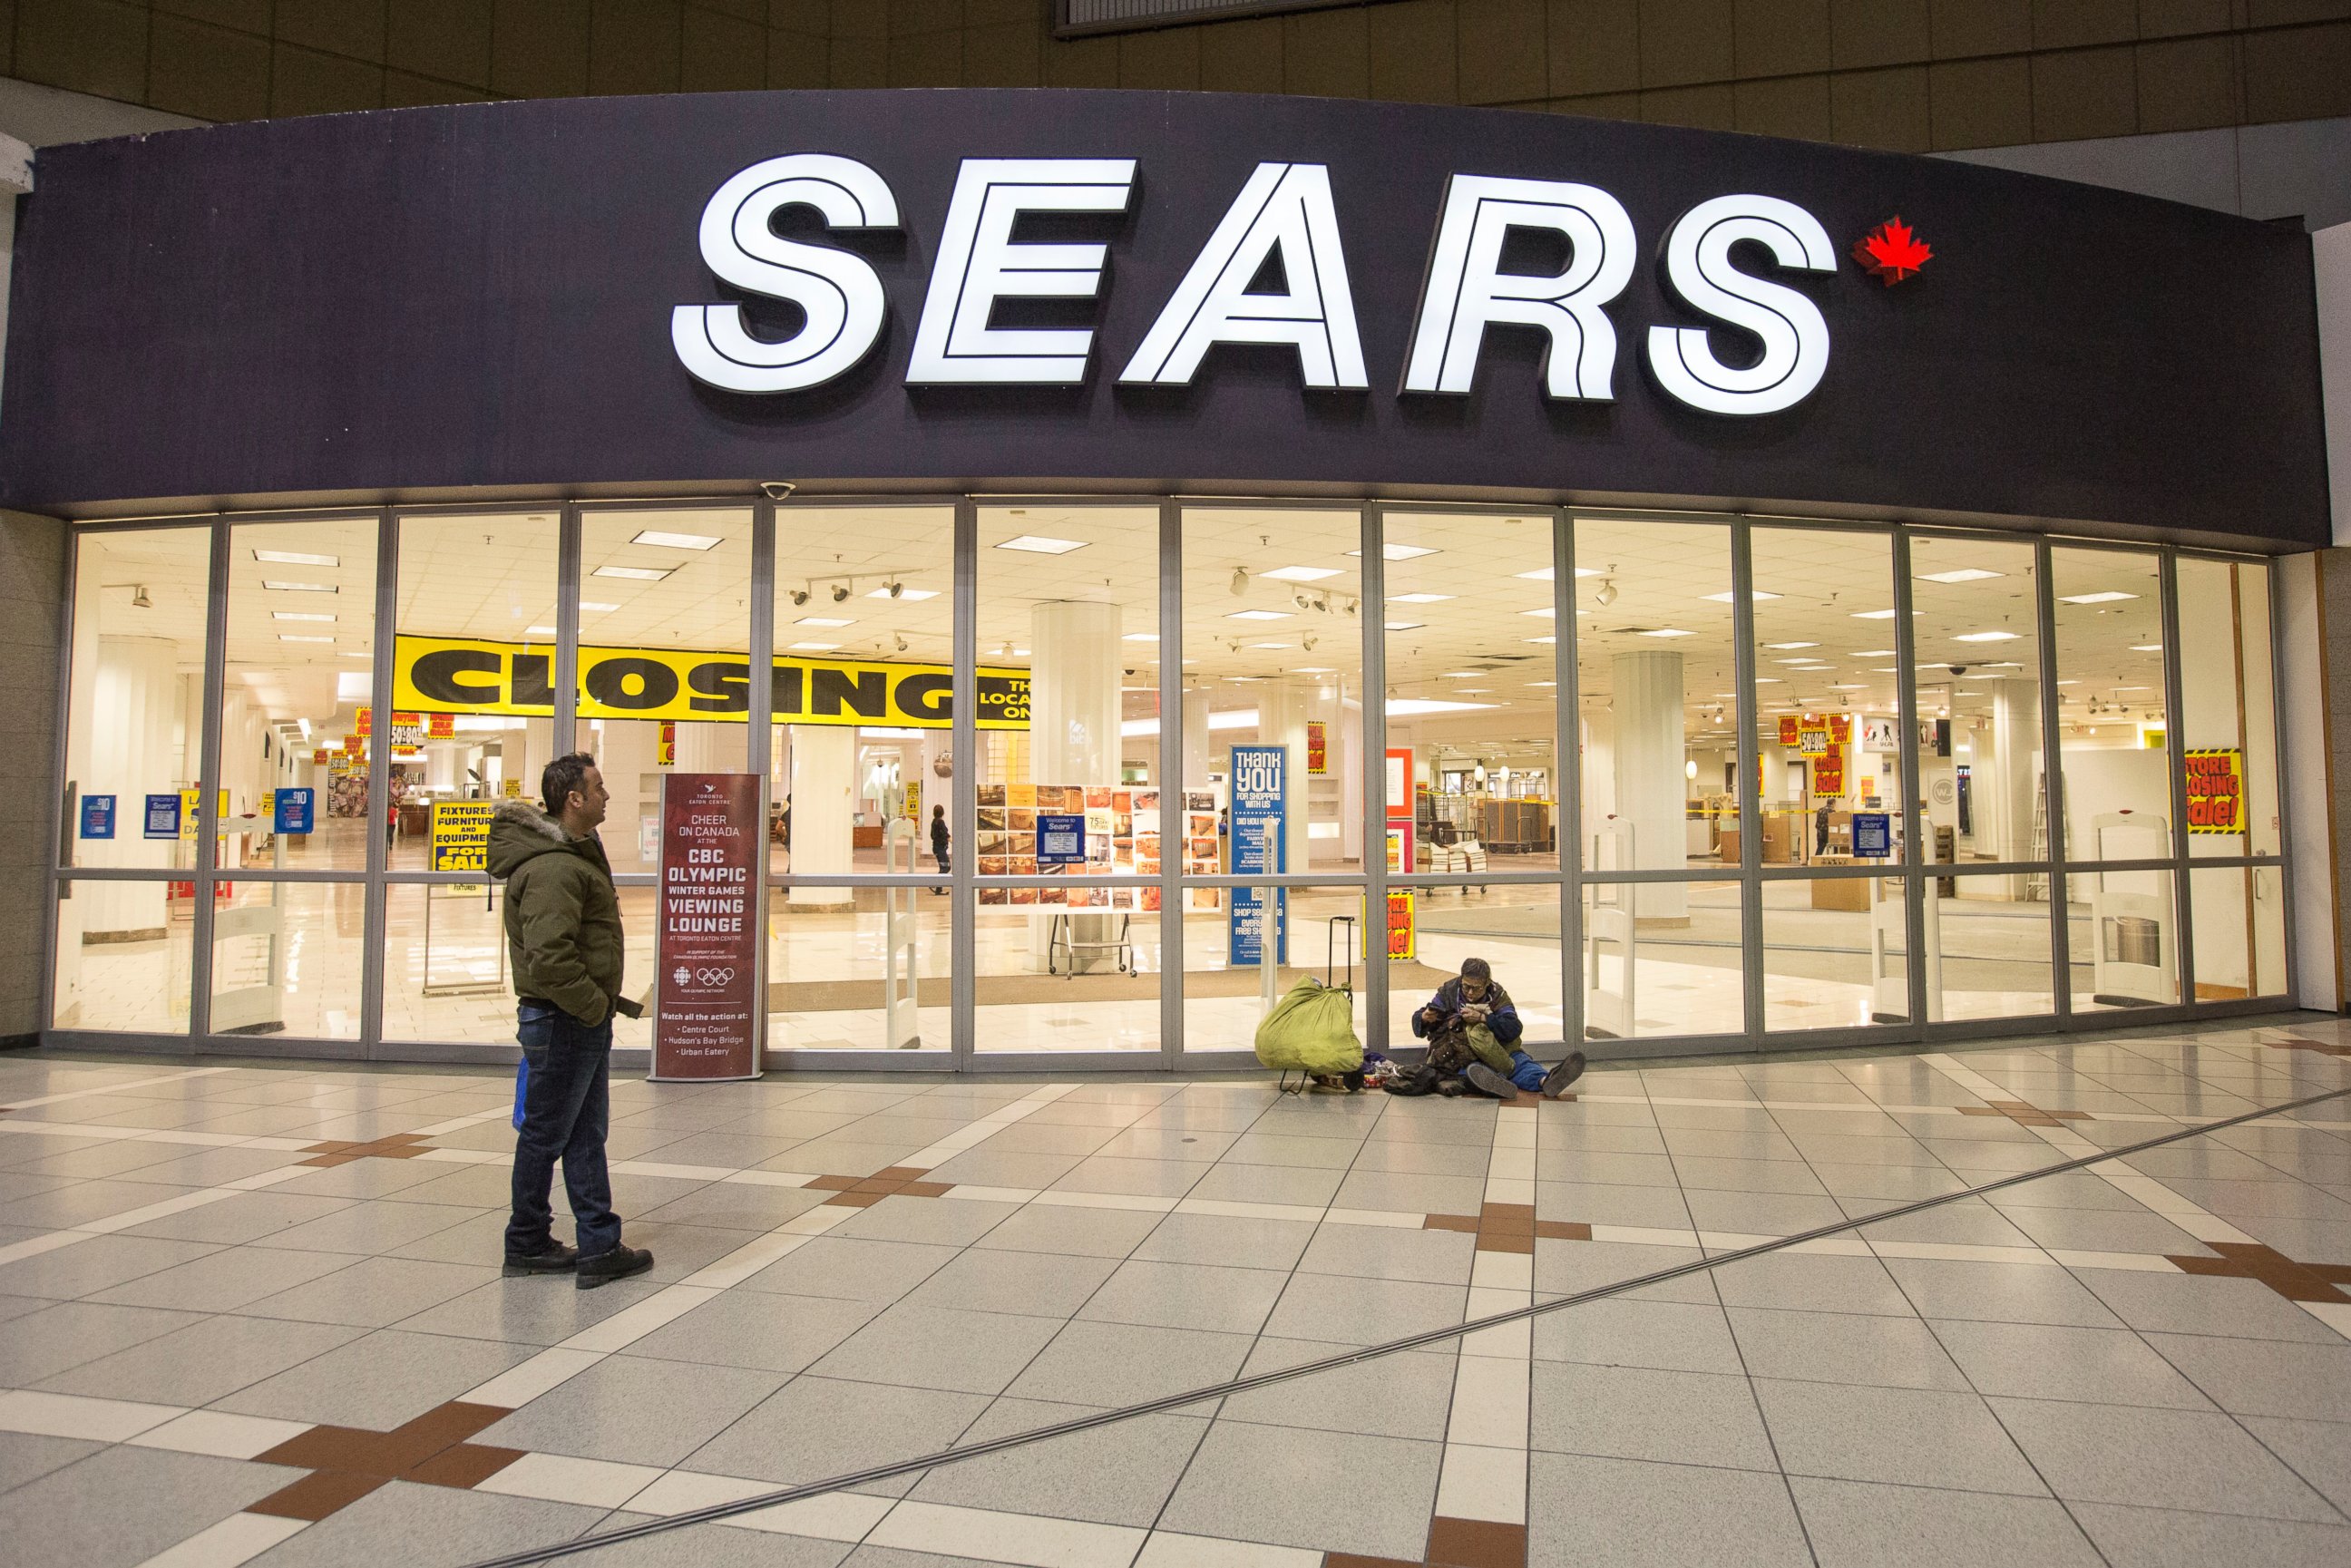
[[1260, 782], [1873, 834], [163, 816], [291, 811], [97, 816], [1061, 839]]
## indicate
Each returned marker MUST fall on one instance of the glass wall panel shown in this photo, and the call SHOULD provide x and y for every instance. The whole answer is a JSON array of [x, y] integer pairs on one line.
[[473, 699], [1988, 946], [1645, 977], [1978, 741], [1829, 722], [286, 958], [136, 981], [134, 737], [1069, 780], [664, 624], [1656, 675], [863, 689], [2240, 913], [1514, 928], [445, 973], [2122, 935], [1225, 1000], [2114, 741], [875, 973], [1835, 952], [2227, 723]]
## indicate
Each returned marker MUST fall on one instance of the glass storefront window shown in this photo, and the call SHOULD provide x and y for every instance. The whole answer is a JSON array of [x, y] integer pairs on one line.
[[862, 935]]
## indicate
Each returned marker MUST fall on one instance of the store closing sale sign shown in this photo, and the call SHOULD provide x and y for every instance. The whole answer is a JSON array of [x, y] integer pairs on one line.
[[706, 958], [2216, 789]]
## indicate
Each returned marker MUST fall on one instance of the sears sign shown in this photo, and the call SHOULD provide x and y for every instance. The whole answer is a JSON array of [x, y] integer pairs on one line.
[[1280, 224]]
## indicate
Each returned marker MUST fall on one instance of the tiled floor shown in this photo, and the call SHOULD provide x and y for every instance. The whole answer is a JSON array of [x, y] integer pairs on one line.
[[254, 1313]]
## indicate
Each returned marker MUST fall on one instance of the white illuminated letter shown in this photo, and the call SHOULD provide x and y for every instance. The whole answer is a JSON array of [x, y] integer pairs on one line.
[[1285, 211], [978, 265], [1795, 337], [838, 292], [1465, 290]]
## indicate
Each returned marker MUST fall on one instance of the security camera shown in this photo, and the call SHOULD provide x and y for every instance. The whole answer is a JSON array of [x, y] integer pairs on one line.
[[799, 596], [776, 490], [1958, 669], [840, 591]]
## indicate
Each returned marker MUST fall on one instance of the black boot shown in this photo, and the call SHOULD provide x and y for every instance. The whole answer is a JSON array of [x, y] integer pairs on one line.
[[1556, 1080], [618, 1264], [554, 1258]]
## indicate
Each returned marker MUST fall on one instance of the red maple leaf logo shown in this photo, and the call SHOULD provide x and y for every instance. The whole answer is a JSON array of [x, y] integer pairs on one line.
[[1892, 250]]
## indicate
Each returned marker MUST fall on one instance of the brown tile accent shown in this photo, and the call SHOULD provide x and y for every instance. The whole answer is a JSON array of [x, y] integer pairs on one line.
[[2251, 1261], [2321, 1047], [1476, 1543], [1356, 1560], [1563, 1230], [1448, 1222], [392, 1146], [317, 1495], [893, 1181], [1507, 1228], [348, 1462]]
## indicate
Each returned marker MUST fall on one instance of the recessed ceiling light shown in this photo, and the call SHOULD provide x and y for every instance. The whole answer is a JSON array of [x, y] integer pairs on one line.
[[1962, 574], [1269, 645], [1140, 637], [296, 615], [1875, 654], [539, 631], [634, 573], [356, 654], [2133, 688], [822, 621], [1770, 681], [1399, 552], [293, 558], [1542, 682], [677, 541], [1542, 574], [1986, 637], [1419, 598], [903, 594], [2147, 647], [1038, 544], [1726, 596], [1543, 639], [1307, 669], [2076, 683], [1789, 645], [1873, 615], [297, 637], [814, 647], [1258, 615], [2110, 596], [1405, 707], [1300, 573], [1545, 614], [590, 607], [1406, 625], [1665, 632], [1467, 675], [1850, 687], [299, 587]]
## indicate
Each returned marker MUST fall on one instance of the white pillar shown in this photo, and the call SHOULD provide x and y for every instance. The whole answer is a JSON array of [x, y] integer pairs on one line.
[[1283, 708], [444, 768], [2007, 782], [133, 720], [824, 797], [1074, 675], [1197, 763], [1648, 691], [1347, 757]]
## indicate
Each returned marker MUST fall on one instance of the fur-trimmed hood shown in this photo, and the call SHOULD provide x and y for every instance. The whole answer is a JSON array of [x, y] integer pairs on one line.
[[520, 831]]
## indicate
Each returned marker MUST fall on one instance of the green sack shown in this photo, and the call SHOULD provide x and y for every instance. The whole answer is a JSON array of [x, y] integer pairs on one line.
[[1312, 1030], [1488, 1050]]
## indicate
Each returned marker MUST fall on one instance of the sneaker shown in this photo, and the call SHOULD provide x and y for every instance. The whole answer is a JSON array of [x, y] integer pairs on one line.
[[554, 1258], [1556, 1080], [618, 1264], [1489, 1081]]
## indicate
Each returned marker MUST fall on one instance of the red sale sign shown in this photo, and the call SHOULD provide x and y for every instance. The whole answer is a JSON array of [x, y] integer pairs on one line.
[[706, 1023]]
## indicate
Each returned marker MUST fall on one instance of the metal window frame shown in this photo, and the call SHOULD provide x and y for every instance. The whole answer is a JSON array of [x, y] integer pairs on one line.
[[1573, 879]]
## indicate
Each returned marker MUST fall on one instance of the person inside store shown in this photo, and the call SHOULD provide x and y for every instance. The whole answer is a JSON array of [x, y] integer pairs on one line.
[[563, 935], [939, 842], [1473, 1031], [1820, 826]]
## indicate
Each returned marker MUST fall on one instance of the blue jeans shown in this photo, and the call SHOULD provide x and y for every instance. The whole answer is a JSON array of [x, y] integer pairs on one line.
[[566, 1111], [1525, 1073]]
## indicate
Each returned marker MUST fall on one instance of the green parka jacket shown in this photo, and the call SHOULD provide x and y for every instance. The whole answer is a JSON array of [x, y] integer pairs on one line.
[[562, 917]]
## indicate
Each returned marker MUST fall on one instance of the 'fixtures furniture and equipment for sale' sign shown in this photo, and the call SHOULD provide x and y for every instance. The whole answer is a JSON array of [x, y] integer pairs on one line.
[[706, 955]]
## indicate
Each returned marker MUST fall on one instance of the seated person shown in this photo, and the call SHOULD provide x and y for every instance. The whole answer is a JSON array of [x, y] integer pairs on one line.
[[1473, 1030]]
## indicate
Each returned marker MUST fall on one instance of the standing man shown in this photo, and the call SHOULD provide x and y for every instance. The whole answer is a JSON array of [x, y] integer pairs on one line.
[[939, 841], [563, 931]]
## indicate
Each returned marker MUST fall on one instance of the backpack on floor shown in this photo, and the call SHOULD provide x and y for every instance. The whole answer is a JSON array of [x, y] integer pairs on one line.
[[1312, 1030]]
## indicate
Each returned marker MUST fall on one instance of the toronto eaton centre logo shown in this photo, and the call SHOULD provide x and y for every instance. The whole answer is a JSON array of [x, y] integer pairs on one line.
[[1282, 218]]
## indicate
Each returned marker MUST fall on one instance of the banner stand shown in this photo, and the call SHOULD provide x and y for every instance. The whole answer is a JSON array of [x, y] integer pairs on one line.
[[705, 997]]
